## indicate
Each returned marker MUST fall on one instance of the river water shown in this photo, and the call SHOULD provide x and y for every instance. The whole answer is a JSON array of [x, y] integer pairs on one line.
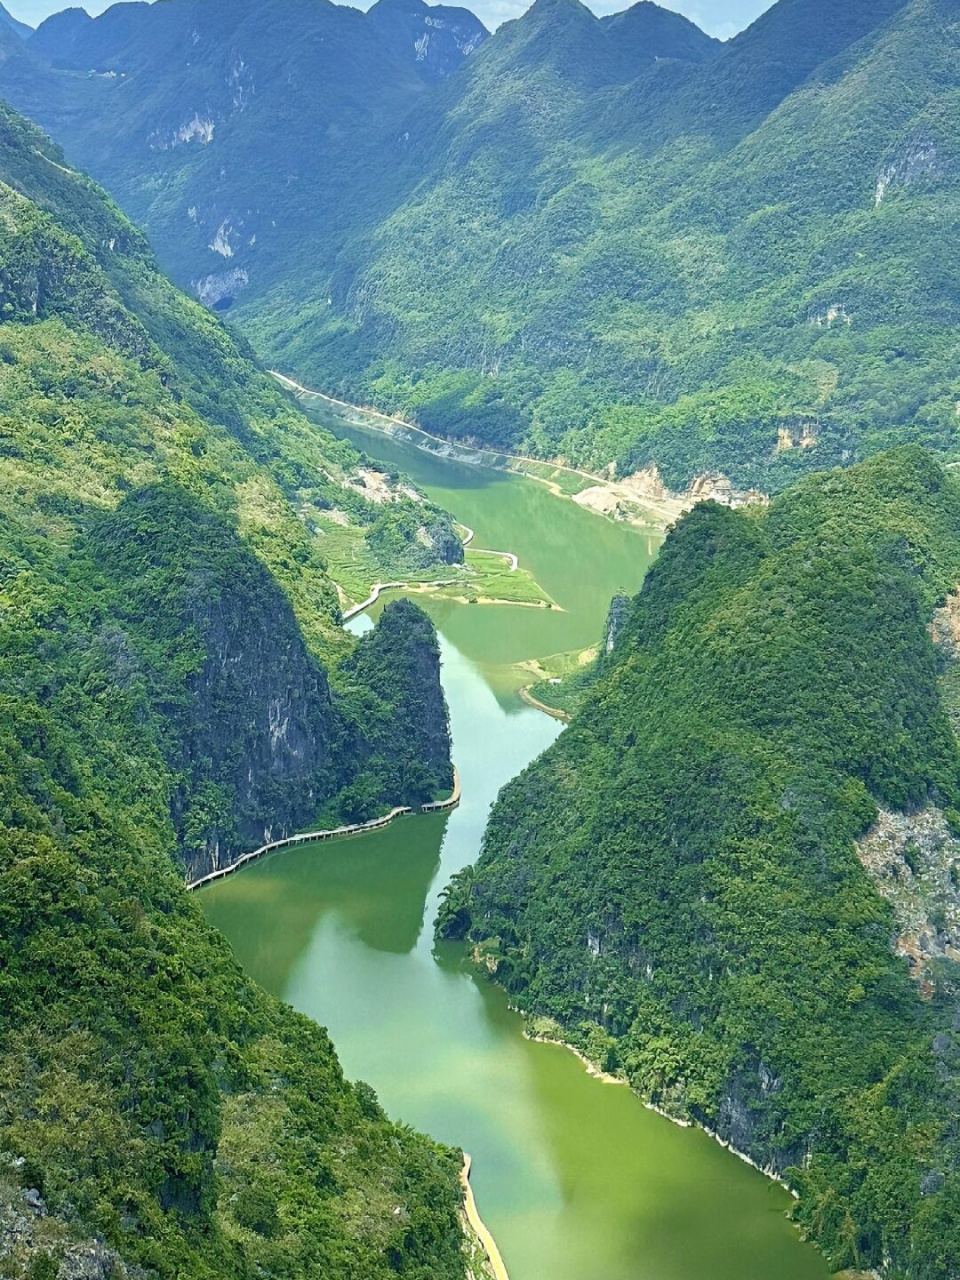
[[575, 1178]]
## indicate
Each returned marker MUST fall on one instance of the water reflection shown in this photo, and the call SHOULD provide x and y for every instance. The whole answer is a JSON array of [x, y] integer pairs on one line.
[[575, 1178]]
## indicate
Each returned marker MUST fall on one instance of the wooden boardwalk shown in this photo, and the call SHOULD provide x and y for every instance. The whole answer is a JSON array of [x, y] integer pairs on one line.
[[438, 806], [316, 837]]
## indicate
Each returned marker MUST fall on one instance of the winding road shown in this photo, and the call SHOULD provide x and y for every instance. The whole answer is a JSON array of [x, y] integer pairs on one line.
[[291, 385]]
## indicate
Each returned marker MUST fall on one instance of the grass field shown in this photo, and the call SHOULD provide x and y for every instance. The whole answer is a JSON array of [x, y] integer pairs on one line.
[[484, 578]]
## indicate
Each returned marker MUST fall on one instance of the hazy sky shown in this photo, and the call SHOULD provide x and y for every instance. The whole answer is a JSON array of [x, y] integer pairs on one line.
[[720, 17]]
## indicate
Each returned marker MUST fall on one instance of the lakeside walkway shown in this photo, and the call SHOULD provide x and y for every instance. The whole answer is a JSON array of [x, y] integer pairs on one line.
[[299, 389], [317, 837], [374, 595], [554, 712]]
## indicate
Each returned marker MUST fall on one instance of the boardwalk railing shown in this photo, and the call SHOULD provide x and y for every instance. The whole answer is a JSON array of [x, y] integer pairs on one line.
[[315, 837], [439, 805]]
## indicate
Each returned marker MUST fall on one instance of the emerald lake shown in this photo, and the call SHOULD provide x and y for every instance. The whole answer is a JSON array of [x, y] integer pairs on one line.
[[576, 1179]]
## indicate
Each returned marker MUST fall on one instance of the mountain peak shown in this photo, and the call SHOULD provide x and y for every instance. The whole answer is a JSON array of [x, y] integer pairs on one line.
[[438, 37], [14, 24], [398, 6], [647, 33], [553, 9]]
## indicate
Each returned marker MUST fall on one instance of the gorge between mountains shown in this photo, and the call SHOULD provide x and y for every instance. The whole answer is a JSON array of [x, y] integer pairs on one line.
[[513, 828], [344, 931]]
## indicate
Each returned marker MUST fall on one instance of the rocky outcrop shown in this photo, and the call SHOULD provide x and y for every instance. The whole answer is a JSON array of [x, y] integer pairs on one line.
[[714, 487], [257, 740], [219, 291], [399, 663], [643, 498], [437, 37], [914, 861], [35, 1243], [440, 539], [945, 627], [616, 617], [251, 721], [918, 158]]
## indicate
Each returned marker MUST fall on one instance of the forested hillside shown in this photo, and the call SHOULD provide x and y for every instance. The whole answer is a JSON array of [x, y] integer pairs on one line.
[[609, 240], [174, 683], [248, 139], [731, 265], [675, 885], [132, 418]]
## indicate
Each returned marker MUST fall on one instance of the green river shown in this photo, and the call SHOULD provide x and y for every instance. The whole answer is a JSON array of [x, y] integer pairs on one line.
[[574, 1177]]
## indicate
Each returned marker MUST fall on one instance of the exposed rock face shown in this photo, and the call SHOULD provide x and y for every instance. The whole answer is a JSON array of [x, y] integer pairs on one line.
[[262, 719], [918, 158], [714, 487], [219, 291], [945, 627], [619, 608], [914, 860], [801, 435], [739, 1117], [246, 116], [256, 739], [441, 540], [253, 723], [438, 37], [34, 1243]]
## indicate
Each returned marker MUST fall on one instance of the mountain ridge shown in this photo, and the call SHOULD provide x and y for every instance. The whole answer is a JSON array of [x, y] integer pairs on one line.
[[678, 886], [677, 284], [174, 682]]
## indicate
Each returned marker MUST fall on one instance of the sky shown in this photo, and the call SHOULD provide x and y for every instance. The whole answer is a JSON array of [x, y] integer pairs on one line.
[[721, 18]]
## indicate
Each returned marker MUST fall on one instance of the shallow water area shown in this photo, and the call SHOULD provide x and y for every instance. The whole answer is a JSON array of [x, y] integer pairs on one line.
[[574, 1177]]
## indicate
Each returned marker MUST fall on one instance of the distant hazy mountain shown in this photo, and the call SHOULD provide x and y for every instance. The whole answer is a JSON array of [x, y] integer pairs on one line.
[[614, 240], [438, 37], [236, 131], [735, 263], [8, 20]]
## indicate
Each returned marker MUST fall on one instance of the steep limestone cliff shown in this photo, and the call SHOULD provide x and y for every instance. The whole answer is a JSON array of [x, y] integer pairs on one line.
[[676, 881]]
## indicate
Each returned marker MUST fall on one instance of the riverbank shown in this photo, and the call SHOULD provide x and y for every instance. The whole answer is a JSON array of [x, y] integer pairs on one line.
[[574, 1179], [606, 1077], [497, 1268], [336, 833], [639, 500], [554, 712], [511, 586]]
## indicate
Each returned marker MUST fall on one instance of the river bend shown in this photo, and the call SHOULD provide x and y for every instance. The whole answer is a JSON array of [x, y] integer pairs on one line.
[[575, 1178]]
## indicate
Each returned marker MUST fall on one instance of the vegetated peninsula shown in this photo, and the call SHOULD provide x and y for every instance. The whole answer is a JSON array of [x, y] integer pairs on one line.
[[733, 877], [175, 685]]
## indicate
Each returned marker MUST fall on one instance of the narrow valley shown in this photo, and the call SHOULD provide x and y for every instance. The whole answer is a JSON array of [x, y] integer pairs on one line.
[[575, 1178]]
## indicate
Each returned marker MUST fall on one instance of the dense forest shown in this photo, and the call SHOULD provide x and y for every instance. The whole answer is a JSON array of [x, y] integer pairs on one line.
[[174, 681], [733, 878], [674, 887], [182, 492], [729, 265], [606, 240]]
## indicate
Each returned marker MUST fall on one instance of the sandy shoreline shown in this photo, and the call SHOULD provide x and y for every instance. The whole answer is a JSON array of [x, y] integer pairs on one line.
[[478, 1226], [601, 496]]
